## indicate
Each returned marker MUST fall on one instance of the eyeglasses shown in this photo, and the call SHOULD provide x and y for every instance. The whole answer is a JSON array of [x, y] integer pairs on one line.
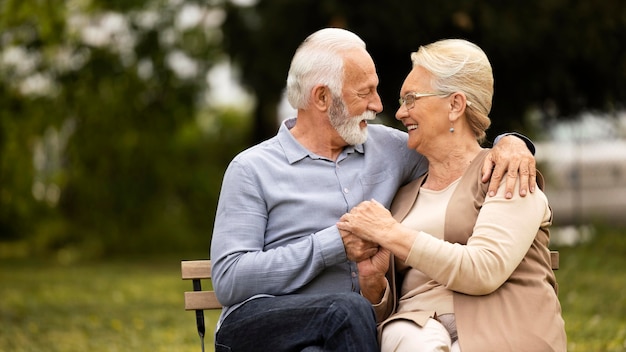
[[409, 99]]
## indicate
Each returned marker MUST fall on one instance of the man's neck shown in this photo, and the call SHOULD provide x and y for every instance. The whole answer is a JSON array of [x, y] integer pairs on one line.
[[318, 138]]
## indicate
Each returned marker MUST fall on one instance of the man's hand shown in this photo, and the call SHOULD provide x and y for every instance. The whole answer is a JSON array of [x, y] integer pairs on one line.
[[357, 249], [372, 275], [510, 156]]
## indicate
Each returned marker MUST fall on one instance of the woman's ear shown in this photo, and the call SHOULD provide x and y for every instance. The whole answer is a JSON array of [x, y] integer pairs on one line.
[[458, 104]]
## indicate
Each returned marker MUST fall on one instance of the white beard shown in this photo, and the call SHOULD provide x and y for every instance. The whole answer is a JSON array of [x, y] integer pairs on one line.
[[348, 127]]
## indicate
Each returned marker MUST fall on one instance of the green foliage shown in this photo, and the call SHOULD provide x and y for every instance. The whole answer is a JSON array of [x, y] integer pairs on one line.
[[101, 146]]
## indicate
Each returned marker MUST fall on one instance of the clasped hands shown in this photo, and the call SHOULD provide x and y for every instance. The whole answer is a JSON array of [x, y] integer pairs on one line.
[[363, 231], [362, 246], [362, 228]]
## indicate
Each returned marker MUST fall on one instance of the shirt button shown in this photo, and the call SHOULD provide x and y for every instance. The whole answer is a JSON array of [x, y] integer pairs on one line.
[[345, 190]]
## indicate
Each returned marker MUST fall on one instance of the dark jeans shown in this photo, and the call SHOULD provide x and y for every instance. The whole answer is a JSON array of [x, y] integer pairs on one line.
[[327, 322]]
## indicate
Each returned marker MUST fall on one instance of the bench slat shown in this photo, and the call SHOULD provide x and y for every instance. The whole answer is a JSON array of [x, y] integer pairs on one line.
[[195, 300], [195, 269], [554, 259]]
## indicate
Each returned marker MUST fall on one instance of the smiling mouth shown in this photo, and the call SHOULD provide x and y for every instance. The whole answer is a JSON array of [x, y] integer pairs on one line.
[[411, 127], [367, 120]]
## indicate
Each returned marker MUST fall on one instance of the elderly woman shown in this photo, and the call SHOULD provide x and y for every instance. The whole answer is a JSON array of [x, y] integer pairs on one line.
[[472, 271]]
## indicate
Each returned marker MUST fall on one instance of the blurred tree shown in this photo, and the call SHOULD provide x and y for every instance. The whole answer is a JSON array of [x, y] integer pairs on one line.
[[554, 56], [107, 142], [104, 144]]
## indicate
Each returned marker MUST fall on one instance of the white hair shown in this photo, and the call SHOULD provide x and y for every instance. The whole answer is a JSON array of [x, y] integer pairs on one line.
[[461, 66], [319, 60]]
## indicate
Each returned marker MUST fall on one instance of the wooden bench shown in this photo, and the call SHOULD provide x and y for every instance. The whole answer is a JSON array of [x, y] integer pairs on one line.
[[199, 300]]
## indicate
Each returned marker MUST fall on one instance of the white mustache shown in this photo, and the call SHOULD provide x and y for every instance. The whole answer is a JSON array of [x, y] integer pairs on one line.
[[369, 115]]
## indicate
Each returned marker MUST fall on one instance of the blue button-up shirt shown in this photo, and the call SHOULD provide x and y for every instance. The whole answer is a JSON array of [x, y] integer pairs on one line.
[[275, 231]]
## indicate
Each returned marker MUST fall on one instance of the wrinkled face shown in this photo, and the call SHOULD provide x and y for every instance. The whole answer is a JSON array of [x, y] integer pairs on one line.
[[350, 128], [428, 118], [359, 101]]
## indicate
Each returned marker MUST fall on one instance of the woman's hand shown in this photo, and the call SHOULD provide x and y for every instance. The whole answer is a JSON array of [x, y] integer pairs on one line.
[[357, 249], [369, 220]]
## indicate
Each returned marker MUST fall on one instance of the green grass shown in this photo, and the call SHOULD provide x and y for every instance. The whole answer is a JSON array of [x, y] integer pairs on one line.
[[107, 306], [137, 305], [592, 291]]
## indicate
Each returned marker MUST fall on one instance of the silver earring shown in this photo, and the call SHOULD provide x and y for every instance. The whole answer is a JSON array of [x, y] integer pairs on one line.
[[451, 129]]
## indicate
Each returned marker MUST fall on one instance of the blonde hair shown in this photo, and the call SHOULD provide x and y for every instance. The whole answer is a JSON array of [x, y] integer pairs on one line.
[[319, 60], [461, 66]]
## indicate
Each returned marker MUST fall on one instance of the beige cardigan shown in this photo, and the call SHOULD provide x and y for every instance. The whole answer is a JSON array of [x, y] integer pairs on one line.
[[524, 313]]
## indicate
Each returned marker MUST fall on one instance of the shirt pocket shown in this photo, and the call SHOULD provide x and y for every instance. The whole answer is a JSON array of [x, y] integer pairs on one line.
[[376, 178]]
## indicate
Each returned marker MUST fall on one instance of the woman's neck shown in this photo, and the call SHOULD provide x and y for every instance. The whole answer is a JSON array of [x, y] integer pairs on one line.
[[449, 165]]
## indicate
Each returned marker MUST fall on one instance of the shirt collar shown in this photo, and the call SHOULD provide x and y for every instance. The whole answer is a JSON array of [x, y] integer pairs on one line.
[[294, 151]]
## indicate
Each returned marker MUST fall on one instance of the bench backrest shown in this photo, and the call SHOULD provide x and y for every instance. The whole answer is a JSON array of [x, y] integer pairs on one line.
[[198, 270]]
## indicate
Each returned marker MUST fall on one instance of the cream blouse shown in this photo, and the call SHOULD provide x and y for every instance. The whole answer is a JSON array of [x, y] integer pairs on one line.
[[428, 215]]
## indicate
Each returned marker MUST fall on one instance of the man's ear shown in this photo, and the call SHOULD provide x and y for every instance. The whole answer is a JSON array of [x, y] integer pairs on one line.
[[321, 97]]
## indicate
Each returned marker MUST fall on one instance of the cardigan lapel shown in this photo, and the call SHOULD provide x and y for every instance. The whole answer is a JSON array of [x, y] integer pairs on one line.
[[406, 198]]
